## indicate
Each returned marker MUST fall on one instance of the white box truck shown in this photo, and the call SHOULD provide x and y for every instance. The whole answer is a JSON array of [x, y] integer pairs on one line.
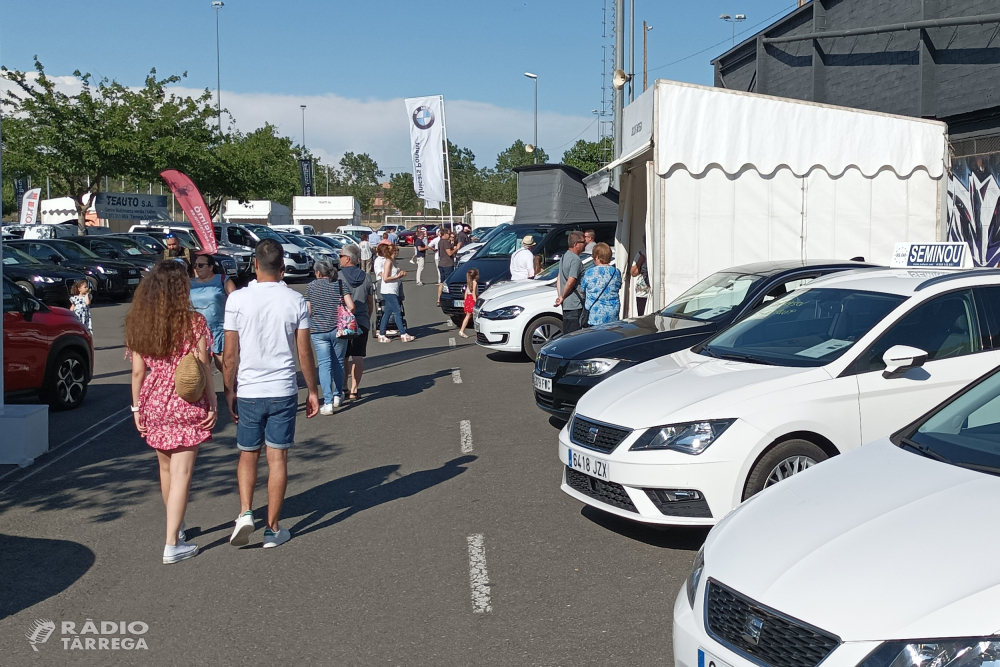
[[326, 214], [256, 212], [713, 178]]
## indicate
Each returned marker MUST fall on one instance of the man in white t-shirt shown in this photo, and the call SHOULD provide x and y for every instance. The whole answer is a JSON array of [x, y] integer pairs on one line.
[[522, 262], [266, 324], [433, 245]]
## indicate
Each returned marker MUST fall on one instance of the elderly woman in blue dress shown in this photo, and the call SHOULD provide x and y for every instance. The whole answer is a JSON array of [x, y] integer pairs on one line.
[[601, 284]]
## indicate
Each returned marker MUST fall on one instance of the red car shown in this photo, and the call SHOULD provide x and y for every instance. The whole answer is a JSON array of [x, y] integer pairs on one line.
[[46, 350]]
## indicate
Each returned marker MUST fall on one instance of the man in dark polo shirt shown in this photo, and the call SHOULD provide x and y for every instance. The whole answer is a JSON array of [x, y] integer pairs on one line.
[[446, 259]]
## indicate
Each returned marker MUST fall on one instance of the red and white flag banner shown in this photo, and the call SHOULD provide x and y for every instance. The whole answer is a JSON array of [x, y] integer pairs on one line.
[[194, 206]]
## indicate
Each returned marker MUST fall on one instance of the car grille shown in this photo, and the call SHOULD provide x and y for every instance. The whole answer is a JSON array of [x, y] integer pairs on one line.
[[547, 365], [762, 635], [595, 435], [297, 257], [608, 493], [133, 273], [71, 281]]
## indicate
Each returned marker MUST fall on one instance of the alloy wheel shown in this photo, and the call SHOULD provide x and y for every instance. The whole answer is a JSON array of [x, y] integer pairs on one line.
[[788, 467], [70, 381], [542, 334]]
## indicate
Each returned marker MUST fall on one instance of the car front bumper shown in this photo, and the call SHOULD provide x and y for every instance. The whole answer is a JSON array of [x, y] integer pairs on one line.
[[502, 335], [297, 268], [636, 479]]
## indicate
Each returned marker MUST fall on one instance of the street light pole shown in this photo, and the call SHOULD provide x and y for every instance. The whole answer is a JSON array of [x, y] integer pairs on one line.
[[739, 18], [645, 29], [535, 78], [217, 5], [303, 127]]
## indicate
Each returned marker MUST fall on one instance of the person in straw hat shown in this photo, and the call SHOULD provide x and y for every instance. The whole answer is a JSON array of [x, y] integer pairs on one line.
[[522, 262]]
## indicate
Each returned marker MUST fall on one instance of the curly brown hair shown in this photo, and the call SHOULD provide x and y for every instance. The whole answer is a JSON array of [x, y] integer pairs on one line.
[[159, 321]]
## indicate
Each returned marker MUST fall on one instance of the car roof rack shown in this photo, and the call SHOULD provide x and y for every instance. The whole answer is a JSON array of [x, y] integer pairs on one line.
[[930, 282]]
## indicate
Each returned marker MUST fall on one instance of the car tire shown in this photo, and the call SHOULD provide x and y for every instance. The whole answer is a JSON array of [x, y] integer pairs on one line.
[[458, 319], [538, 333], [26, 286], [66, 384], [780, 462]]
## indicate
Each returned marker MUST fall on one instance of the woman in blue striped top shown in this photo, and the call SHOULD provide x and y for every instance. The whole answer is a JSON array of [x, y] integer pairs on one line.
[[325, 295]]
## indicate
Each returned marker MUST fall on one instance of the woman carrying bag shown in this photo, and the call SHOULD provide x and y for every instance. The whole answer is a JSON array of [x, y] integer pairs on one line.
[[326, 296], [173, 403], [601, 284]]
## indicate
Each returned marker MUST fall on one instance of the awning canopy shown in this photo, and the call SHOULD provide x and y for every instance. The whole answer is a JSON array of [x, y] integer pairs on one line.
[[599, 182]]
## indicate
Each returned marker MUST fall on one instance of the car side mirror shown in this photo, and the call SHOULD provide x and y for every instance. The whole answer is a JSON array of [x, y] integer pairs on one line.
[[901, 358], [55, 259], [112, 254], [29, 307]]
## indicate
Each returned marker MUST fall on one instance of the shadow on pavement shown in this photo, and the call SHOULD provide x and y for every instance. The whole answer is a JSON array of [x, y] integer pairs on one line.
[[680, 538], [509, 358], [408, 387], [36, 569], [557, 422]]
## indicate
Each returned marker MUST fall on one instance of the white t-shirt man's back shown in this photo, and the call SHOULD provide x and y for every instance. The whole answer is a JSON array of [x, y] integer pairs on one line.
[[522, 264], [266, 316]]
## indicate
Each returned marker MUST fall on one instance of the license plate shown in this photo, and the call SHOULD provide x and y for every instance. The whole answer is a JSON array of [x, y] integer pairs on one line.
[[706, 659], [133, 281], [231, 272], [542, 384], [590, 465]]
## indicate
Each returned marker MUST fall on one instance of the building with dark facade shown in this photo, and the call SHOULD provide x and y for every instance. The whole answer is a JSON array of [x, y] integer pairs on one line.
[[935, 59]]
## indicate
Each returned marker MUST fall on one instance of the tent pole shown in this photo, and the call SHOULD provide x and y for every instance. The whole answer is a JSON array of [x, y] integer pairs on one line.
[[447, 160]]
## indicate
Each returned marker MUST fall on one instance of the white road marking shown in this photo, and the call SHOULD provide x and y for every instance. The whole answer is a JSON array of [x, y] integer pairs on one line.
[[451, 342], [479, 579], [465, 429], [456, 376], [450, 324], [60, 458]]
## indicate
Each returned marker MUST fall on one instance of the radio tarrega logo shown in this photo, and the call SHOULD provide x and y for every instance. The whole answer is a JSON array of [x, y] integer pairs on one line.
[[423, 118], [39, 632]]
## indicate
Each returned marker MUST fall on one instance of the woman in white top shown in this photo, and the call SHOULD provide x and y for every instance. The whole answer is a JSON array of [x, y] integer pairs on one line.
[[391, 275]]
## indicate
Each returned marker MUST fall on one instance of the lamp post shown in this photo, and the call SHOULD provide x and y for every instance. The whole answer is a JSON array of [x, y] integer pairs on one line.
[[534, 77], [645, 29], [217, 5], [303, 107], [739, 18]]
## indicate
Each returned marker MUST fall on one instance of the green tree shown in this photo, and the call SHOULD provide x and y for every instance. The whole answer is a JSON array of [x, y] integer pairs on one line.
[[500, 183], [466, 177], [589, 156], [401, 195], [257, 165], [106, 129], [361, 178]]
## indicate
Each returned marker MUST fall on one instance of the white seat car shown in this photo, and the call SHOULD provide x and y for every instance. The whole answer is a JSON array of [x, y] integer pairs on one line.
[[520, 315], [837, 565], [850, 358]]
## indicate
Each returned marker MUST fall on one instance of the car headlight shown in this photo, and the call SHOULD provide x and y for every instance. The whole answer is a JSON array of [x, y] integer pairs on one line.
[[590, 367], [973, 652], [288, 254], [43, 279], [690, 437], [508, 313], [691, 585], [110, 272]]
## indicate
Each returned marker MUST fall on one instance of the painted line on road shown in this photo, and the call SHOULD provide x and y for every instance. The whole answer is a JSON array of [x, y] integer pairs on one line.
[[450, 324], [465, 429], [451, 342], [60, 458], [456, 376], [72, 438], [479, 579]]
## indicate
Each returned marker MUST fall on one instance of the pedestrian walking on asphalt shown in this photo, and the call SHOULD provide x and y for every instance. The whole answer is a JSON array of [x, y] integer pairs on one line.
[[433, 245], [588, 240], [390, 286], [161, 330], [446, 260], [420, 252], [640, 272], [175, 251], [568, 284], [366, 254], [522, 262], [208, 296], [79, 303], [601, 284], [471, 286], [325, 296], [364, 305], [266, 324]]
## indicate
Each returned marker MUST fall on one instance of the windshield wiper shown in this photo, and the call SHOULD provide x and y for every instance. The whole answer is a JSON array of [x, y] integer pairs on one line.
[[744, 357], [705, 349], [925, 451]]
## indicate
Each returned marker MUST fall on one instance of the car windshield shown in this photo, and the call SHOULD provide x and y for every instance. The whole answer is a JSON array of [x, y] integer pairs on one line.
[[506, 242], [295, 240], [147, 242], [713, 297], [263, 232], [965, 432], [132, 248], [809, 327], [12, 256], [331, 241], [74, 250]]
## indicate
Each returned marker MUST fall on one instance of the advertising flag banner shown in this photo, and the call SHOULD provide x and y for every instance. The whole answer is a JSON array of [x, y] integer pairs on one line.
[[306, 176], [29, 206], [194, 207], [427, 147]]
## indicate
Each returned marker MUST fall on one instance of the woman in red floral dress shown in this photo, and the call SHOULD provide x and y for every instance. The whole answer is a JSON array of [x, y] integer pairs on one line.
[[160, 329]]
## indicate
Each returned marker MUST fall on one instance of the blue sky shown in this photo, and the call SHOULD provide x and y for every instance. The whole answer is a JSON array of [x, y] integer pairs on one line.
[[352, 62]]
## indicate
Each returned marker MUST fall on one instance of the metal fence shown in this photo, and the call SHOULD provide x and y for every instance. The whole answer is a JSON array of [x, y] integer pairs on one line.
[[409, 221]]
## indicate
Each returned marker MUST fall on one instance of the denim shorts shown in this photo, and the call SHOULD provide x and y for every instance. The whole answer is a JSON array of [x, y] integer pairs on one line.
[[266, 421]]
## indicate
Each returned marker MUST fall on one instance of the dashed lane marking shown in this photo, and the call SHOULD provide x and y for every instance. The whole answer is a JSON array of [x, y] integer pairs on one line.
[[451, 342], [479, 579], [465, 430], [456, 376]]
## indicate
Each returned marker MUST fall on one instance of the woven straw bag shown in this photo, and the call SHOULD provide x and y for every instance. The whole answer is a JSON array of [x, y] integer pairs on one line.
[[189, 378]]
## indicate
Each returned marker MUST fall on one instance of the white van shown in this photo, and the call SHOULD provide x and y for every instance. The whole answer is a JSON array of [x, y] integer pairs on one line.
[[308, 230]]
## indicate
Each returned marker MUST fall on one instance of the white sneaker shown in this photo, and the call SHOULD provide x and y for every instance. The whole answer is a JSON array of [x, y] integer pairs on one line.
[[181, 535], [326, 409], [273, 539], [244, 528], [180, 551], [337, 401]]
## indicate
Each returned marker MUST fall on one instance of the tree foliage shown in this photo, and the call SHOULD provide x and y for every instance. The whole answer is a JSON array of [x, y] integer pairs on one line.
[[361, 178], [589, 156], [401, 195]]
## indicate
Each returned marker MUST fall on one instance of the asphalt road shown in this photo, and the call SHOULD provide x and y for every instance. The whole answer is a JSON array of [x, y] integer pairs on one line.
[[415, 540]]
